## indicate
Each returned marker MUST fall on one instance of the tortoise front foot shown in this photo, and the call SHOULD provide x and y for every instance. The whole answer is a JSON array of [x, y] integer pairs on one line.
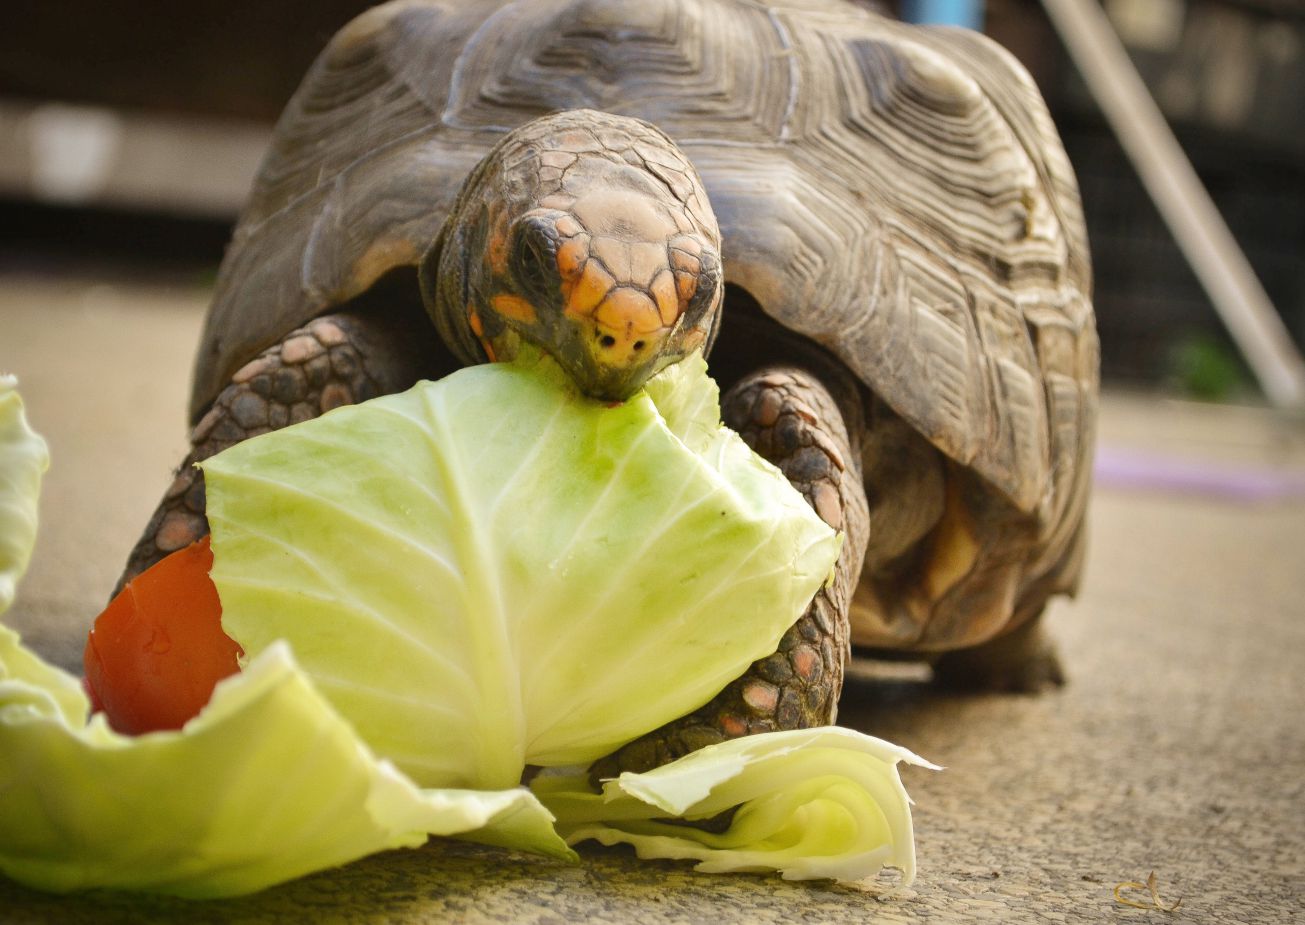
[[1023, 661], [787, 416], [334, 360]]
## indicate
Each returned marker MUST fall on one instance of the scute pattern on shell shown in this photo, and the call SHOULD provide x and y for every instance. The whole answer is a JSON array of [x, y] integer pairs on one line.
[[895, 193]]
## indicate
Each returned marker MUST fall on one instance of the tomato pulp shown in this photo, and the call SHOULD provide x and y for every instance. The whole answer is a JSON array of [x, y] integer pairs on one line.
[[156, 652]]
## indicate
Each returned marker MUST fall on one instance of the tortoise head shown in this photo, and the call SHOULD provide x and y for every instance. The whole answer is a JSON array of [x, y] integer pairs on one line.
[[588, 235]]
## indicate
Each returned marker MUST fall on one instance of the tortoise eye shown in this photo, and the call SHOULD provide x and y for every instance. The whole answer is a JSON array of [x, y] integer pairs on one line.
[[534, 254], [704, 294]]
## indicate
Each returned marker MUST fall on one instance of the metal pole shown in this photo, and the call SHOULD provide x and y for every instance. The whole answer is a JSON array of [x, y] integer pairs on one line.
[[1183, 202], [967, 13]]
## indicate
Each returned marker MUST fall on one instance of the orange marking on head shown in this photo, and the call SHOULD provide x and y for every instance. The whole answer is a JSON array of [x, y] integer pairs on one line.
[[667, 297], [627, 313], [590, 289], [478, 328], [686, 284], [514, 307], [497, 247], [684, 261], [571, 256]]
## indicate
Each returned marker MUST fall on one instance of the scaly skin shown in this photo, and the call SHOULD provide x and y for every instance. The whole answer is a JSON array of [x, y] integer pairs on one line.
[[334, 360], [590, 235], [790, 418], [587, 234]]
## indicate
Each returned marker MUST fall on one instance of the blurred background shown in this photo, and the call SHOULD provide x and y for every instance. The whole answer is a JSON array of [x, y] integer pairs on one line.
[[129, 133]]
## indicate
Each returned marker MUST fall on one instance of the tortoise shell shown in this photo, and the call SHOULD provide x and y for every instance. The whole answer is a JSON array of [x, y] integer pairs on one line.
[[895, 193]]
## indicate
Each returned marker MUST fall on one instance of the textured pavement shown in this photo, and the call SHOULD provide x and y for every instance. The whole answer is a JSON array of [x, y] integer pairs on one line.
[[1177, 747]]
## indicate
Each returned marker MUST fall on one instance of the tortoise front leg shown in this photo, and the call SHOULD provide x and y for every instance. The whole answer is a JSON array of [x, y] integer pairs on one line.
[[788, 416], [334, 360]]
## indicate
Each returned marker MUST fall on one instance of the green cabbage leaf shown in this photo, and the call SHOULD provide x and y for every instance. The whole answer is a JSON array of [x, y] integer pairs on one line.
[[23, 460], [268, 783], [434, 589], [824, 803], [492, 570]]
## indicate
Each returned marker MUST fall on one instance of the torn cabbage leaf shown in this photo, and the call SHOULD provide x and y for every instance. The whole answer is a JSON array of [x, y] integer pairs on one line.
[[268, 783], [23, 460], [811, 803], [493, 570]]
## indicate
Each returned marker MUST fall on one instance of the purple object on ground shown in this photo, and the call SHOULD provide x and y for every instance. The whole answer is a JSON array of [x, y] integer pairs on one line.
[[1116, 468]]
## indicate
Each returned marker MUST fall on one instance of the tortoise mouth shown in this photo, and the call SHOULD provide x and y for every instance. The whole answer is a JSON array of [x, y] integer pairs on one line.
[[610, 383]]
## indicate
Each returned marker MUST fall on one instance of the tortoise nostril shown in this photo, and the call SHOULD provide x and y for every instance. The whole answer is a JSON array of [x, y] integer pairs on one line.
[[638, 345], [607, 340]]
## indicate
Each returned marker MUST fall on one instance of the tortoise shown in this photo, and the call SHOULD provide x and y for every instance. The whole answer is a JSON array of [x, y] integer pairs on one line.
[[871, 226]]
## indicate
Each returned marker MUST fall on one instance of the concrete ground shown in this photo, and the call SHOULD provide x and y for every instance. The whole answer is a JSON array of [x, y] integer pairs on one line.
[[1177, 747]]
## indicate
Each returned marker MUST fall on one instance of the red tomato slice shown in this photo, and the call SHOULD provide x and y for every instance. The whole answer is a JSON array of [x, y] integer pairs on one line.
[[158, 649]]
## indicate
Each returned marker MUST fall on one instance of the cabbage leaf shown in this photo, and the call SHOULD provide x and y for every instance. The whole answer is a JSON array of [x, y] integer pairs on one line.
[[268, 783], [475, 574], [493, 570], [23, 460], [824, 803]]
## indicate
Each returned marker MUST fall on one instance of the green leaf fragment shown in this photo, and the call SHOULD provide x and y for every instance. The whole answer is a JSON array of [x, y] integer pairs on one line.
[[475, 574], [823, 803], [268, 783], [23, 460]]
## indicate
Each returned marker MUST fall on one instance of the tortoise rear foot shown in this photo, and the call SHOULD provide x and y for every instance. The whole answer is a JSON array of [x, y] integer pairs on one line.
[[790, 418], [1023, 661], [333, 360]]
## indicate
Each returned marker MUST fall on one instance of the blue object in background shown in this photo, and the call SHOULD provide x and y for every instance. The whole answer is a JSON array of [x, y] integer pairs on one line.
[[967, 13]]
